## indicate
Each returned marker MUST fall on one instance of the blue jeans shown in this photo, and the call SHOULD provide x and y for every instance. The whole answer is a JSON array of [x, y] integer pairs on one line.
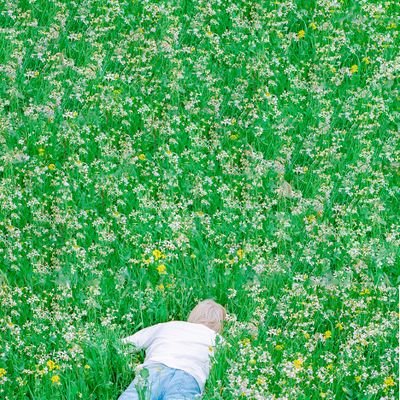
[[163, 383]]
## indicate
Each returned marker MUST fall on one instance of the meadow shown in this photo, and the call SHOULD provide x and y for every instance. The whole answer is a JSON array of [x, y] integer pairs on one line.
[[154, 154]]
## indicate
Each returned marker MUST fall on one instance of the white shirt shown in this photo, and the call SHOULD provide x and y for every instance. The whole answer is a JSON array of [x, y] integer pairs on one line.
[[178, 344]]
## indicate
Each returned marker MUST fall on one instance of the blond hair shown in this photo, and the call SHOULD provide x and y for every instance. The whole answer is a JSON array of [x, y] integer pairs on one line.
[[208, 313]]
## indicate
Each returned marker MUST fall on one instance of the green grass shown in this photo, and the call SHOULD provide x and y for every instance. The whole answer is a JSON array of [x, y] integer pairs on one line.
[[200, 129]]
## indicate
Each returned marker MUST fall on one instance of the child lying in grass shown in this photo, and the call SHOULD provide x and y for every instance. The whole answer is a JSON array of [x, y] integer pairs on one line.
[[177, 361]]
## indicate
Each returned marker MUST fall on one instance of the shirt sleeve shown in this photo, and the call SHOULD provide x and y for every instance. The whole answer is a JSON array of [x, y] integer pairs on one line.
[[143, 338]]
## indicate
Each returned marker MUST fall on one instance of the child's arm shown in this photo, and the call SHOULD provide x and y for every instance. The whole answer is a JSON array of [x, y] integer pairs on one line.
[[142, 338]]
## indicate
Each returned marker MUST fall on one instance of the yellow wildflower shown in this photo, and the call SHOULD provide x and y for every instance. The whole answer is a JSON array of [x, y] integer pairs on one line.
[[279, 347], [311, 218], [301, 34], [160, 287], [388, 381], [52, 167], [240, 253], [354, 68], [298, 364], [55, 379], [142, 156], [36, 74], [245, 342], [306, 335], [2, 372], [327, 334], [234, 137], [313, 25], [87, 366], [357, 378], [193, 256], [52, 365], [162, 269], [252, 361], [41, 151], [366, 60], [339, 325], [158, 254], [260, 380], [392, 25]]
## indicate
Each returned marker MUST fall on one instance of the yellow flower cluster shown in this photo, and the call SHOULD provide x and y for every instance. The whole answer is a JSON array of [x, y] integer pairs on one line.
[[327, 334], [301, 34], [298, 364], [52, 365], [162, 269], [158, 254], [354, 69], [261, 380], [389, 381], [339, 325]]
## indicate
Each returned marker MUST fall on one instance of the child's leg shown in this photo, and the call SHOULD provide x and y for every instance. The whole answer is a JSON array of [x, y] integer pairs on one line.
[[182, 386], [146, 386], [130, 393]]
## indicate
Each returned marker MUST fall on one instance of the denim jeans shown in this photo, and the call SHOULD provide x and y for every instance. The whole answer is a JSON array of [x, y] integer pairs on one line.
[[162, 383]]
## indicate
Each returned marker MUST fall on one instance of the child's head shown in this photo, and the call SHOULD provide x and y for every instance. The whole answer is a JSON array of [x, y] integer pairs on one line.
[[208, 313]]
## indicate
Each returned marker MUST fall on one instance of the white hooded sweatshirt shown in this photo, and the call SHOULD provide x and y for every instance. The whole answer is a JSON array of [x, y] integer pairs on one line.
[[180, 345]]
